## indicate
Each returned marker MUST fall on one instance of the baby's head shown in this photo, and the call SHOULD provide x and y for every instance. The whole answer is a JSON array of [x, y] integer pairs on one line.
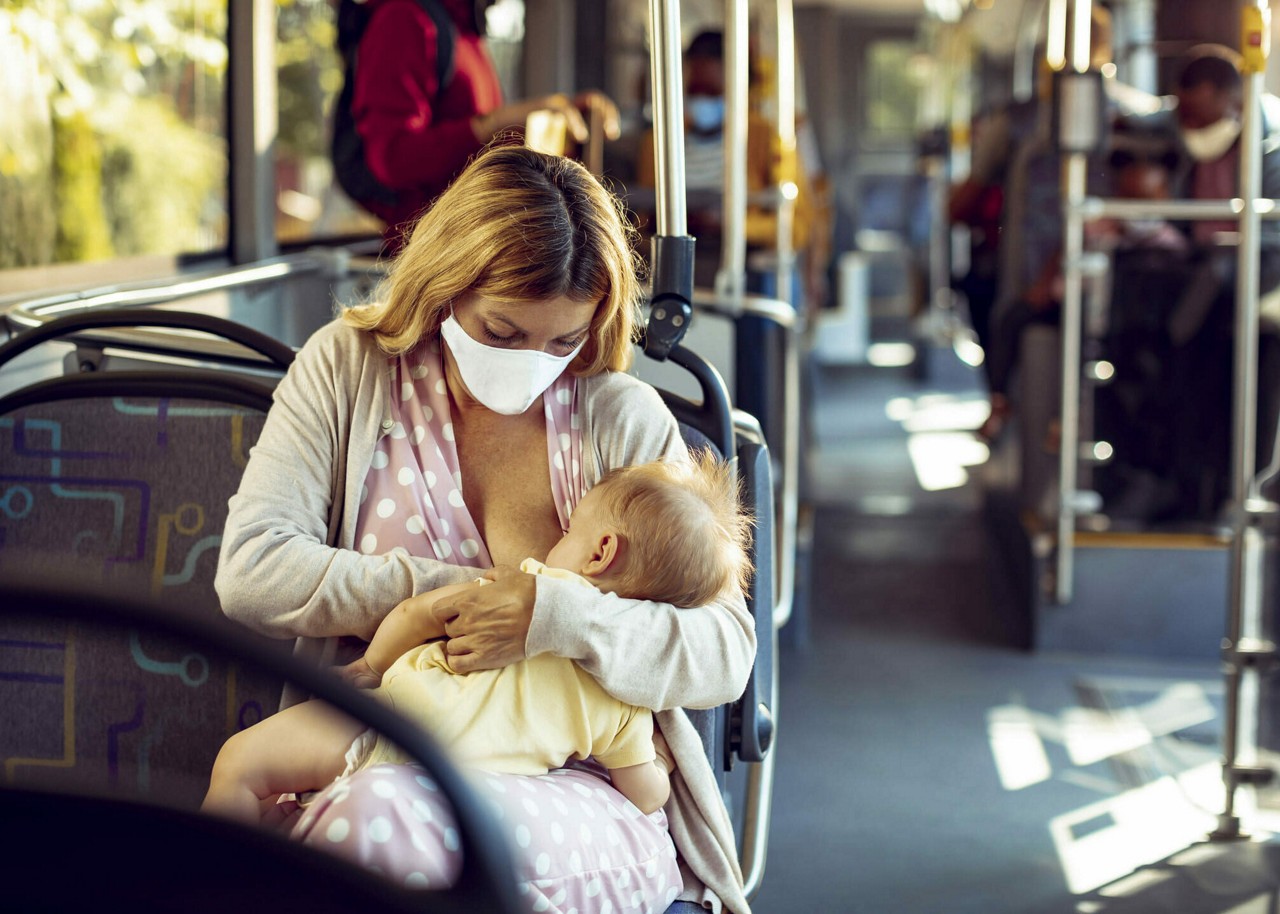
[[661, 531]]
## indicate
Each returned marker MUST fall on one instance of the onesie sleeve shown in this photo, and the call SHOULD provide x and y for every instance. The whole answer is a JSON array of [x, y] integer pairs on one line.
[[633, 744]]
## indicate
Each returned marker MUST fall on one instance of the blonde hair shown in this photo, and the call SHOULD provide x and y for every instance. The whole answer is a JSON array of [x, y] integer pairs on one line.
[[684, 527], [515, 226]]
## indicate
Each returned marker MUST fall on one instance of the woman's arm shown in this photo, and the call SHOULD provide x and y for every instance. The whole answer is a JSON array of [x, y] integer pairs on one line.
[[648, 654], [279, 570]]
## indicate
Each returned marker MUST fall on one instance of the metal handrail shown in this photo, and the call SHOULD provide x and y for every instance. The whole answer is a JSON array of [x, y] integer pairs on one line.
[[31, 313]]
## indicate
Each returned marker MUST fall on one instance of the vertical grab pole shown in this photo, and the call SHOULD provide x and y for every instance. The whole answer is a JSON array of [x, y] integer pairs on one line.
[[1074, 178], [731, 278], [1243, 646], [671, 300], [787, 151]]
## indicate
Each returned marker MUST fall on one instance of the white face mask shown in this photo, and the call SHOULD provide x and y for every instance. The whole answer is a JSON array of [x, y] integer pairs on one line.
[[507, 381], [1208, 144]]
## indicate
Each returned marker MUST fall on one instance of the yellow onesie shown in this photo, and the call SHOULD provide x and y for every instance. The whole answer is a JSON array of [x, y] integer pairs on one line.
[[526, 718]]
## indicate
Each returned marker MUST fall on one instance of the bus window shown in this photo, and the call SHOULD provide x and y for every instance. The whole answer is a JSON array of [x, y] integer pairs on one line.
[[104, 105]]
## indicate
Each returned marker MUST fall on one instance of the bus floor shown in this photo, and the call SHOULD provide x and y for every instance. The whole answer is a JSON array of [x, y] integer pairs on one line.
[[925, 764]]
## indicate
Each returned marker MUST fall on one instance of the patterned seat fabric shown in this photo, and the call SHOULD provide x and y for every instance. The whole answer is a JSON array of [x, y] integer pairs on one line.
[[130, 492]]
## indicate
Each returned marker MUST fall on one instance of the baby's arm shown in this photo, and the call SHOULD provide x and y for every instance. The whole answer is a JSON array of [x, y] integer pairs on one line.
[[647, 785], [411, 623]]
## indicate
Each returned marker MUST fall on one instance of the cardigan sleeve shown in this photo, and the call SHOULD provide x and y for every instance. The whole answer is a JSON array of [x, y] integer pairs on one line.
[[281, 570], [650, 654]]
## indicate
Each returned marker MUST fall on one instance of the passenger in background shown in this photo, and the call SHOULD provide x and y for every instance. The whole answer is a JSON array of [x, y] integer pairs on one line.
[[1202, 132], [704, 113], [418, 135], [1017, 153], [452, 427]]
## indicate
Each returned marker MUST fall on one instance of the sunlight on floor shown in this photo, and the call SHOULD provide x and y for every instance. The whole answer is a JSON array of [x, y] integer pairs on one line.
[[940, 437]]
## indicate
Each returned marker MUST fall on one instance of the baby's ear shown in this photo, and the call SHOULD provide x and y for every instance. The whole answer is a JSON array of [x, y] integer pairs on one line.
[[605, 557]]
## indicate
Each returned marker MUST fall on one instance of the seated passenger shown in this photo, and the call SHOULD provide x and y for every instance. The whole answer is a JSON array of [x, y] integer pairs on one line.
[[1203, 132], [451, 427], [654, 532]]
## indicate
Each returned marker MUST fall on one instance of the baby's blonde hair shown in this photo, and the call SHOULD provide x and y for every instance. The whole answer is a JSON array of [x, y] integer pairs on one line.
[[684, 527]]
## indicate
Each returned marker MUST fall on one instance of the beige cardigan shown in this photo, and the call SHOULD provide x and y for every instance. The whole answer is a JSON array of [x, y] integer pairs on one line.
[[288, 568]]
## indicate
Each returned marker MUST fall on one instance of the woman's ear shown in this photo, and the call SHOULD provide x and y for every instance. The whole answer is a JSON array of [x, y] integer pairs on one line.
[[606, 554]]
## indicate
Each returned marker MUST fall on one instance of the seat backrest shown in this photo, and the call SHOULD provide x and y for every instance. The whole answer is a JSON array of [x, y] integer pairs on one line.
[[122, 479]]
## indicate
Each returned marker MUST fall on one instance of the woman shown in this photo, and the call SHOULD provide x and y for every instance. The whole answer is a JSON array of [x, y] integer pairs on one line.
[[453, 427]]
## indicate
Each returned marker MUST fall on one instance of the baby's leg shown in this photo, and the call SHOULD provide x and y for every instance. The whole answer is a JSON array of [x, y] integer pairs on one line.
[[301, 748]]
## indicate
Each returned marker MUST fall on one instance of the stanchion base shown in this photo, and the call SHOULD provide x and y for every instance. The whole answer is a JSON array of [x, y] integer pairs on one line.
[[1228, 830]]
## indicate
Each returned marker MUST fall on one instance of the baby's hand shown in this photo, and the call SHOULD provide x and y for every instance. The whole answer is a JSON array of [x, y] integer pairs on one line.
[[360, 674]]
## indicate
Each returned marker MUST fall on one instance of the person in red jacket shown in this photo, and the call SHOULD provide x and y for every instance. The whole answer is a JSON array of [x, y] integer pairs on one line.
[[417, 138]]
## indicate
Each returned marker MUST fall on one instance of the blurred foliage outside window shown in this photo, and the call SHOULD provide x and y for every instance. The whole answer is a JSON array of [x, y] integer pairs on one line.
[[309, 77], [892, 90], [112, 140]]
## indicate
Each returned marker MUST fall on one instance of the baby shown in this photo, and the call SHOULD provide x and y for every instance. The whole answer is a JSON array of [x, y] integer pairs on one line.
[[656, 531]]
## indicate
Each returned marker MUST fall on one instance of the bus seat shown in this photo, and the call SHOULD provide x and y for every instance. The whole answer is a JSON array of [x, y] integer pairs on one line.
[[121, 479], [85, 849]]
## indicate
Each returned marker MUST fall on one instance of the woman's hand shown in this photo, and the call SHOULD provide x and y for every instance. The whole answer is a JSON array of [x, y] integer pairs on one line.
[[514, 115], [487, 626]]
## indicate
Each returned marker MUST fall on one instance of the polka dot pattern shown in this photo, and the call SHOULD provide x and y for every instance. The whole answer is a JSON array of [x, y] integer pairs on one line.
[[422, 850], [413, 499]]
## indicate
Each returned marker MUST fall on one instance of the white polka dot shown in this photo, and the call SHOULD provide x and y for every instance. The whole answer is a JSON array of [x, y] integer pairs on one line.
[[379, 830], [588, 809], [565, 441], [426, 782], [614, 812], [418, 844], [386, 508], [380, 460], [444, 526], [541, 903], [406, 390], [593, 888], [338, 830], [523, 835], [430, 478], [558, 461], [397, 430], [530, 806], [368, 544], [631, 811], [451, 842], [542, 864], [497, 785], [422, 810], [496, 808], [575, 862], [339, 792], [364, 494], [564, 395], [406, 476], [671, 895], [624, 878], [584, 832], [574, 421], [651, 868], [418, 372], [469, 548], [456, 499], [568, 507], [604, 862], [525, 888], [447, 431], [560, 807], [582, 791], [526, 785], [417, 881], [558, 898], [637, 898], [614, 836], [384, 789], [457, 479], [419, 432], [571, 911], [443, 549], [415, 524], [575, 468], [606, 907], [557, 833], [440, 386], [399, 550]]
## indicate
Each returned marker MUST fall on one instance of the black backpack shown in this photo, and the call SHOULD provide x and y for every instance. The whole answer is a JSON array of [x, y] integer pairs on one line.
[[350, 169]]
